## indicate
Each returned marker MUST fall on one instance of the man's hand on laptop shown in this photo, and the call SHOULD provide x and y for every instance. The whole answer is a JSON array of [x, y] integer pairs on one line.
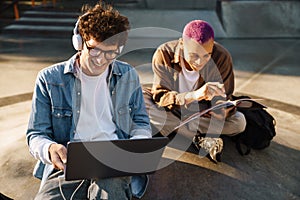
[[58, 155]]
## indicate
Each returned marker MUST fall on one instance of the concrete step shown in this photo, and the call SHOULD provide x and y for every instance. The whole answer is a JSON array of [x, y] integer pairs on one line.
[[38, 31], [232, 19], [180, 4], [52, 24], [46, 21], [166, 4], [173, 20], [50, 14], [60, 25]]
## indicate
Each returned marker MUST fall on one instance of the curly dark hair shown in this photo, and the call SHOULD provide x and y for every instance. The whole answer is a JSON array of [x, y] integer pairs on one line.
[[104, 24]]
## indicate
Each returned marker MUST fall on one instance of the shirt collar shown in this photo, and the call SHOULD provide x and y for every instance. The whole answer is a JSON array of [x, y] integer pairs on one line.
[[72, 64], [178, 51]]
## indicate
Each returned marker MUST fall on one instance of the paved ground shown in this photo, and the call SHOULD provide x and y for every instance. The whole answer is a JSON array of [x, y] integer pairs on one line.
[[264, 68]]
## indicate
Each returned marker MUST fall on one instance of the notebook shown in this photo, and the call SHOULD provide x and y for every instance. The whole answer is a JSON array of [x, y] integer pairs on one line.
[[114, 158]]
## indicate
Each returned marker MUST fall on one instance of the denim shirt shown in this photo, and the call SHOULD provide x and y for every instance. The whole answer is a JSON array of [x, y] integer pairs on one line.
[[56, 108]]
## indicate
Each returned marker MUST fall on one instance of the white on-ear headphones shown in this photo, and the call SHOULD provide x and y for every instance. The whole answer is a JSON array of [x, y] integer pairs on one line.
[[76, 38]]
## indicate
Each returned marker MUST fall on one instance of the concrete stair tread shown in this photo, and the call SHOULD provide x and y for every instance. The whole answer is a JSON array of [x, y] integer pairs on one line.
[[47, 18], [52, 14], [38, 12], [40, 27], [44, 19]]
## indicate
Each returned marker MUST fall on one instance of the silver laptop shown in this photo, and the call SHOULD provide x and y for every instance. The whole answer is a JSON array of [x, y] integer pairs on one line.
[[116, 158]]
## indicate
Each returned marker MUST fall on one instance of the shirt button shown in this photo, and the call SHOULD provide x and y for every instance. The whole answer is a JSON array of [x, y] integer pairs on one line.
[[78, 111], [78, 93], [58, 114]]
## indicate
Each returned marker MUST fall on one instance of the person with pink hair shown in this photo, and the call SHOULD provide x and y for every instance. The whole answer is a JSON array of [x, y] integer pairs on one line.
[[192, 74]]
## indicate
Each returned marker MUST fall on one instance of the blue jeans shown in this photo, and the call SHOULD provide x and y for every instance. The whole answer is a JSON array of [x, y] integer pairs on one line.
[[111, 188]]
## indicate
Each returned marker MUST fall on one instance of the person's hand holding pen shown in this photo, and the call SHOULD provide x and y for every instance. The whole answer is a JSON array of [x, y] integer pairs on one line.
[[207, 92]]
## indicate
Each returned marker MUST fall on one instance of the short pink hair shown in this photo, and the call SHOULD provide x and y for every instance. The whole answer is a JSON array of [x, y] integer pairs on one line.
[[198, 30]]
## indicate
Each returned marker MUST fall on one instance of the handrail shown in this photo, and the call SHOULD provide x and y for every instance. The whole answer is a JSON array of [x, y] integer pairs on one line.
[[14, 3], [44, 2]]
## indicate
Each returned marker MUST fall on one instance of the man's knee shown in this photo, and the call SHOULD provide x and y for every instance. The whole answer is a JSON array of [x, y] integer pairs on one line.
[[111, 188], [241, 122], [238, 122]]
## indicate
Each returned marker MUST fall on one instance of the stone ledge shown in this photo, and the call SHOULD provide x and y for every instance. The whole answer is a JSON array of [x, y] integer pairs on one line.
[[264, 19]]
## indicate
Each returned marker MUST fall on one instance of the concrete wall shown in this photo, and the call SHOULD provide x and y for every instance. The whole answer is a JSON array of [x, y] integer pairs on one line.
[[181, 4], [260, 18]]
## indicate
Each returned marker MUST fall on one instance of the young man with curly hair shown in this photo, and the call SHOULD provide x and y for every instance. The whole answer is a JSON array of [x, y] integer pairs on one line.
[[91, 96]]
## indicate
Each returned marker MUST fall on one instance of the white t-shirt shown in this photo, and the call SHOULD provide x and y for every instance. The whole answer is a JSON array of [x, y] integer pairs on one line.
[[95, 119], [187, 79]]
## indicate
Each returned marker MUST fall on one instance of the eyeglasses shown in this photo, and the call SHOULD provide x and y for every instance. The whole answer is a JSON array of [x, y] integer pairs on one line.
[[109, 55]]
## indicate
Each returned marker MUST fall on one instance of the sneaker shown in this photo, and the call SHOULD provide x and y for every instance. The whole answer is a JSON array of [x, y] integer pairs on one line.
[[212, 146]]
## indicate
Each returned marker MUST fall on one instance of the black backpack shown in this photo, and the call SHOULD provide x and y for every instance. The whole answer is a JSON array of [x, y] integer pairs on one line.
[[260, 129], [3, 197]]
